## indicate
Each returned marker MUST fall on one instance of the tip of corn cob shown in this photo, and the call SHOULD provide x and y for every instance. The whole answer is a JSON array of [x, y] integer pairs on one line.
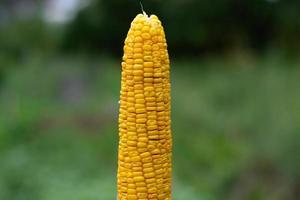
[[145, 19]]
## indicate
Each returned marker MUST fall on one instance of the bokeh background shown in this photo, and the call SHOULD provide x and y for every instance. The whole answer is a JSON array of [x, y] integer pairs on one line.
[[235, 97]]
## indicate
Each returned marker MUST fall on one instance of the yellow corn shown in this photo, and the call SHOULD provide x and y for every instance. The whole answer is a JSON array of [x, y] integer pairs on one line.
[[145, 141]]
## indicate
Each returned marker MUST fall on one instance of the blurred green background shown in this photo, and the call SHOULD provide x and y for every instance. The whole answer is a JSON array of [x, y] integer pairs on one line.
[[235, 97]]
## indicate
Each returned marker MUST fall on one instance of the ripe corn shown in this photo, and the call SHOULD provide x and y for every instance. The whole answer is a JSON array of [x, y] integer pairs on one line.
[[145, 141]]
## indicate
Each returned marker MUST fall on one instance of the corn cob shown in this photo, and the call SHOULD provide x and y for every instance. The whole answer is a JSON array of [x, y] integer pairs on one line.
[[145, 141]]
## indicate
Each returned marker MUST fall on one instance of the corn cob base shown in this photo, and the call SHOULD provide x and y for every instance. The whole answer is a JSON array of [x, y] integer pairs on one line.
[[145, 142]]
